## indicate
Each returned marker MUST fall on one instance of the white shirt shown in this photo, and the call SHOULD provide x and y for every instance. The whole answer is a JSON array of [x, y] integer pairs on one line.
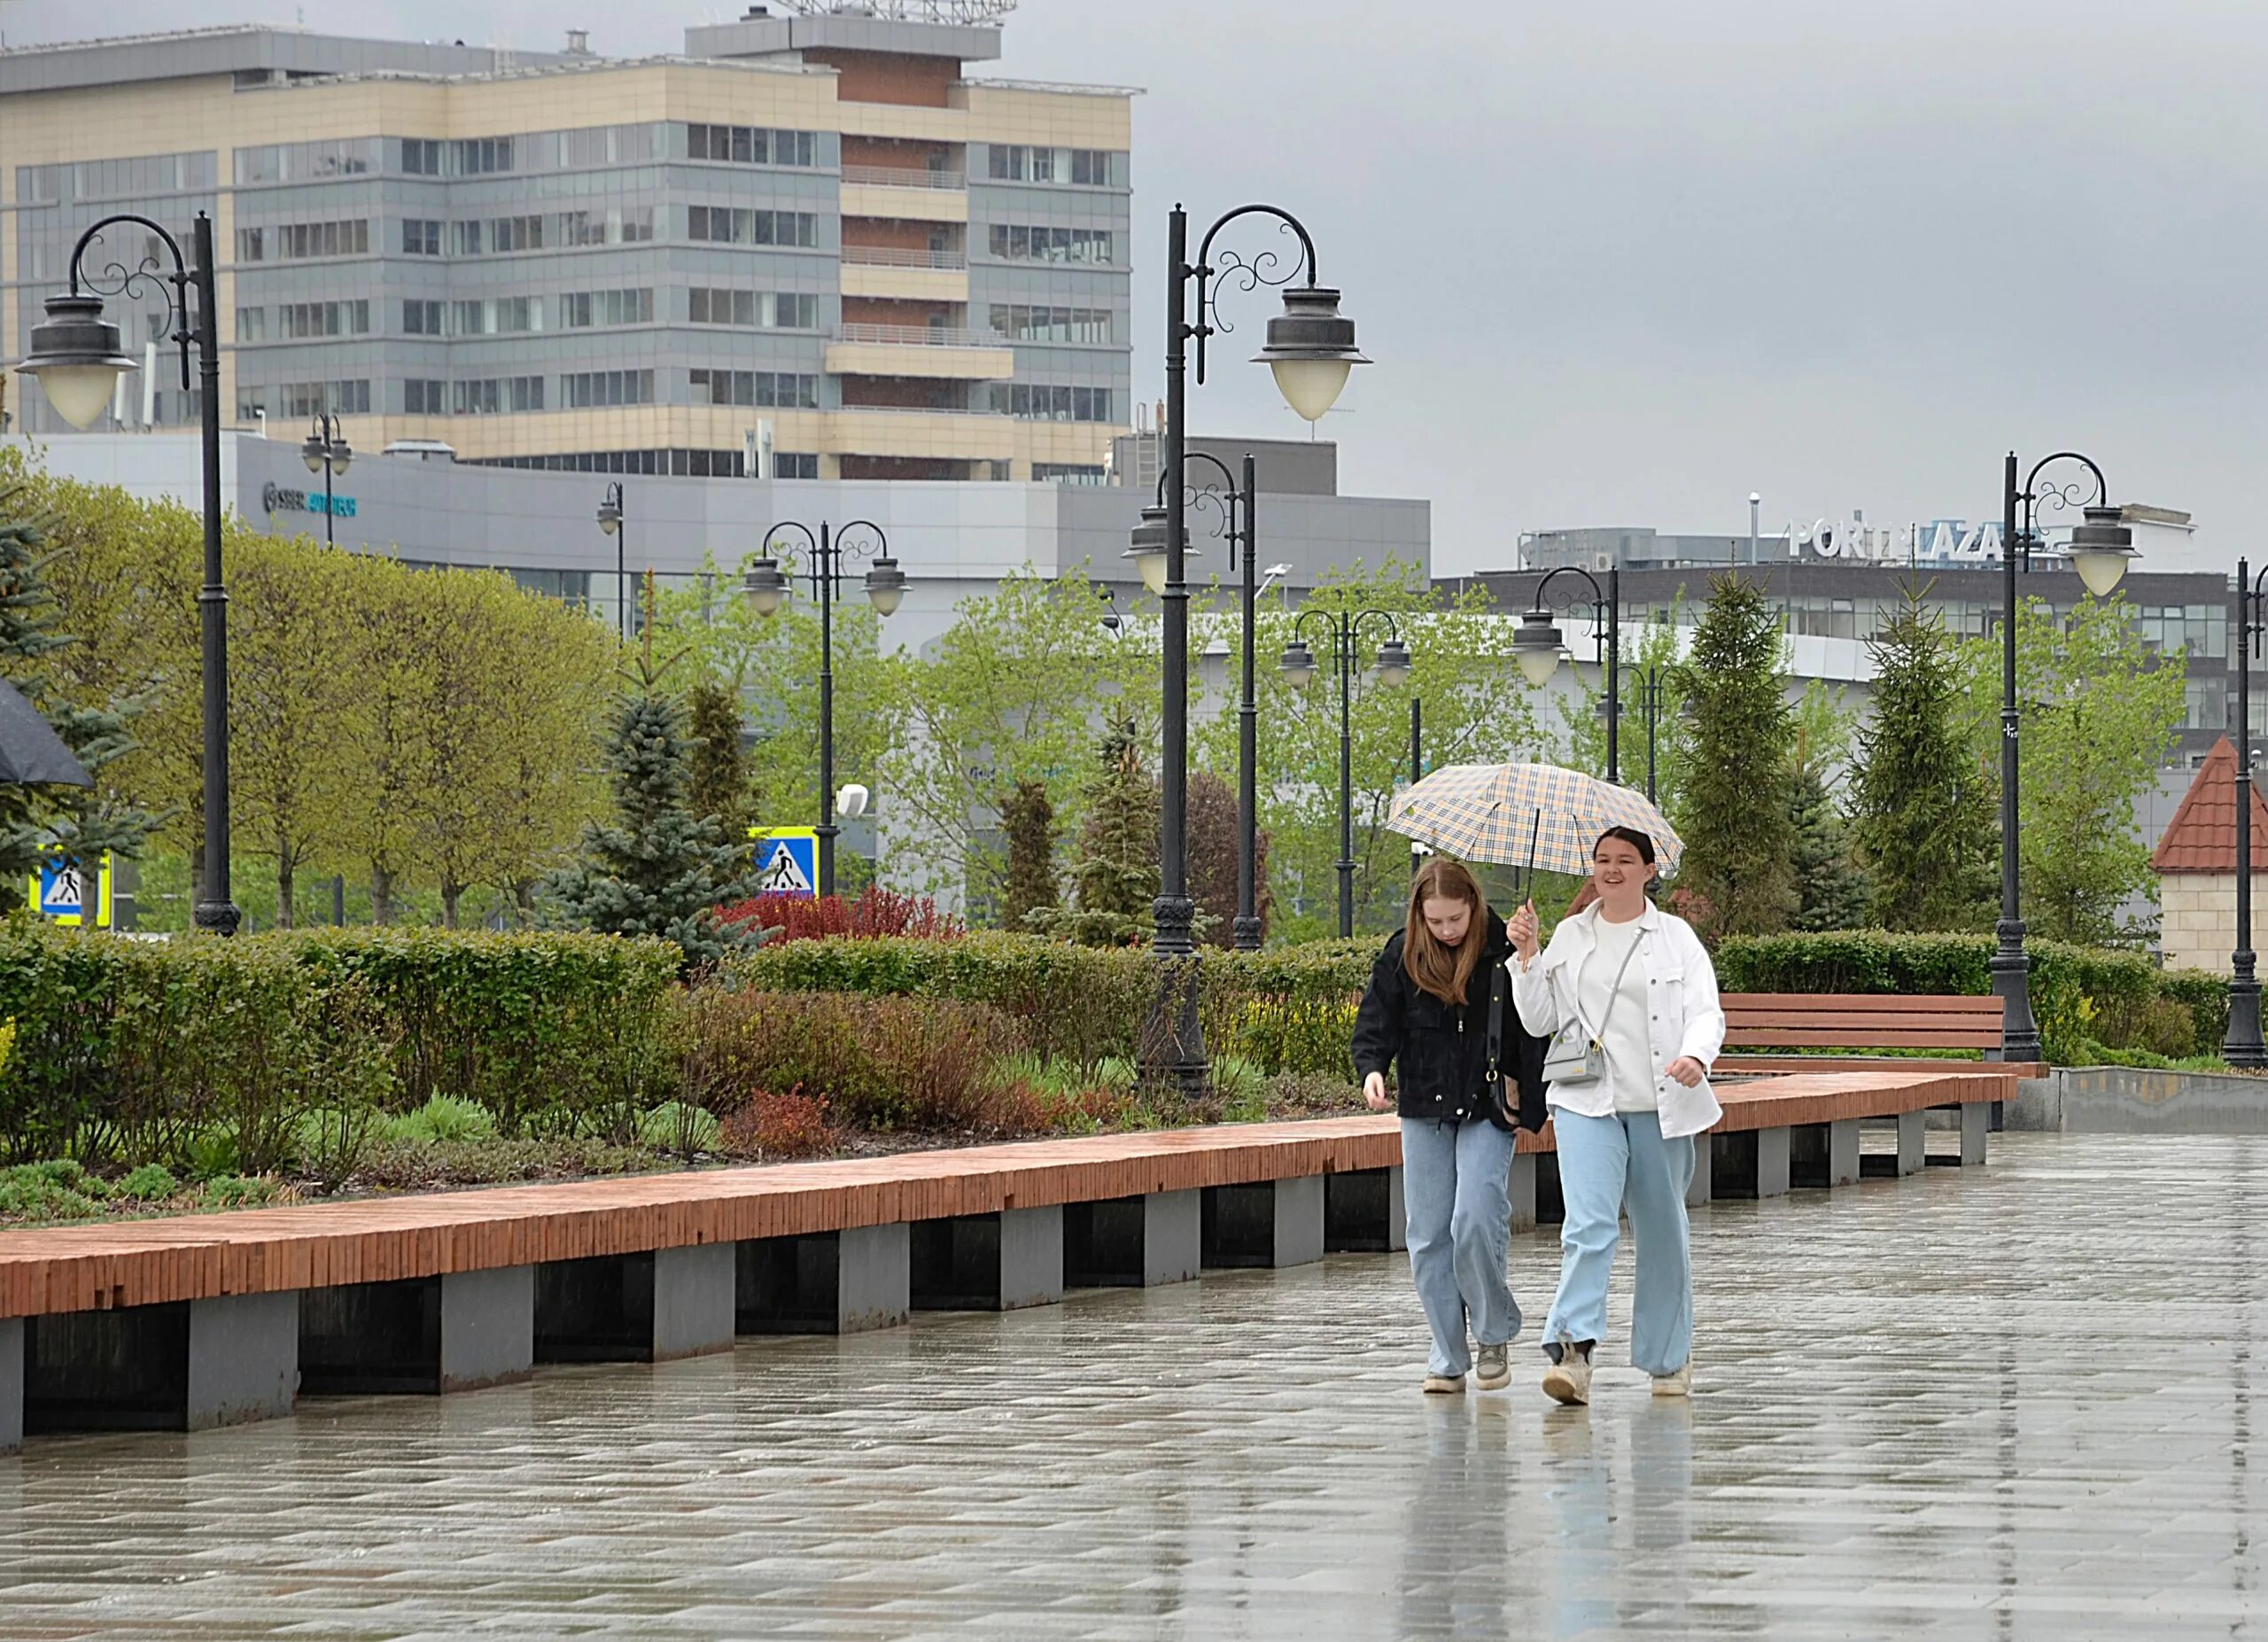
[[1683, 1016], [1629, 1065]]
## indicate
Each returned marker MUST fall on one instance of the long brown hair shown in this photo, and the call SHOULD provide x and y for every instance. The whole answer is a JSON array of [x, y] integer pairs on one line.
[[1444, 972]]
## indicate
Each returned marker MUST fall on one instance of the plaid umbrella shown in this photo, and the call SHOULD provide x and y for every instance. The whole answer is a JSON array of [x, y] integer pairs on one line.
[[1539, 813]]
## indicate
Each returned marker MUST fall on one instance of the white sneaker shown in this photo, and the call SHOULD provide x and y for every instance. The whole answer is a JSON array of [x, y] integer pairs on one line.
[[1492, 1368], [1569, 1380], [1678, 1382], [1443, 1385]]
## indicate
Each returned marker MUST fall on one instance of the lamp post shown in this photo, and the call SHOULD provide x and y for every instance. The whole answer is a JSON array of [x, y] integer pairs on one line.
[[1345, 632], [2243, 1046], [1652, 683], [1536, 648], [764, 587], [327, 453], [614, 521], [2101, 548], [1311, 348], [77, 357]]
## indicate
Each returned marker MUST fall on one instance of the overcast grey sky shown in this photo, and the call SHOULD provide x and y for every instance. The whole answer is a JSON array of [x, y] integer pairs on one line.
[[1623, 263]]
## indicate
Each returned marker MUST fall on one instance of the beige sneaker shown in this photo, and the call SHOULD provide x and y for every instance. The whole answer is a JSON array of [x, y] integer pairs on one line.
[[1444, 1385], [1679, 1382], [1492, 1368], [1569, 1380]]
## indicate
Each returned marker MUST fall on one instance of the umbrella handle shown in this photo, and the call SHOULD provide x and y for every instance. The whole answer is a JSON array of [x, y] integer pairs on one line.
[[1534, 831]]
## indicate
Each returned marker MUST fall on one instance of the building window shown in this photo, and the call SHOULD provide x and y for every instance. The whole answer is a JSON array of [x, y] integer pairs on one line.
[[421, 156], [580, 310], [751, 145], [252, 324], [614, 226], [421, 317], [294, 242], [1066, 473], [762, 309], [1016, 242], [782, 388], [794, 464], [1083, 167], [605, 145], [482, 156], [585, 389], [422, 397], [1024, 323], [419, 237], [301, 321], [493, 396], [497, 316], [733, 225], [1040, 401], [313, 398]]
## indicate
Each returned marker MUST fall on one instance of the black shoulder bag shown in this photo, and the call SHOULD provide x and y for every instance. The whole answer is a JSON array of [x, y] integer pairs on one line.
[[1499, 1108]]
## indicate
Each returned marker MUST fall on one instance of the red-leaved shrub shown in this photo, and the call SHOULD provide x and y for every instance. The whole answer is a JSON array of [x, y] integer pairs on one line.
[[877, 912], [772, 1128]]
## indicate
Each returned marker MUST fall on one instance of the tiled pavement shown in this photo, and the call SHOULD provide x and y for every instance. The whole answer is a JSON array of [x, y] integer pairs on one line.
[[2011, 1404]]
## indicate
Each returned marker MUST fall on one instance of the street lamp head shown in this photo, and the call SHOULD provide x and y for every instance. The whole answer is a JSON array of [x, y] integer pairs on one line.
[[1311, 349], [610, 516], [1148, 551], [764, 587], [1393, 664], [1536, 648], [885, 585], [1298, 663], [77, 357], [341, 454], [311, 454], [2101, 548]]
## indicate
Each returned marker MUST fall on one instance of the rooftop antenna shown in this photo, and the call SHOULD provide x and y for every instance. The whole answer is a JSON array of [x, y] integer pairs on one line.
[[972, 11]]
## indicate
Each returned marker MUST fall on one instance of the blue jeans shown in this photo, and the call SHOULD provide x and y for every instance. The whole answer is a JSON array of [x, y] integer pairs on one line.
[[1605, 1164], [1456, 1200]]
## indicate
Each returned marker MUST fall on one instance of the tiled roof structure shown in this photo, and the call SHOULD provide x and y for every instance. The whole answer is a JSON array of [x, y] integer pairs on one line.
[[2202, 836]]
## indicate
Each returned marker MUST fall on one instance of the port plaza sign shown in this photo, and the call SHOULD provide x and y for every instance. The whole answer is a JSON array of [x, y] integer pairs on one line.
[[1945, 542]]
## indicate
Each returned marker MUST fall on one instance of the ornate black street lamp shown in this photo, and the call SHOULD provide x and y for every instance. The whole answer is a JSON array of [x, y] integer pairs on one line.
[[1536, 647], [2101, 548], [327, 453], [2243, 1046], [1344, 633], [614, 521], [77, 357], [1653, 694], [764, 587], [1310, 347]]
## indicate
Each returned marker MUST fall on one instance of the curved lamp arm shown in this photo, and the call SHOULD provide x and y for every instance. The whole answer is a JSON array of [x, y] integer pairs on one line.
[[1250, 273]]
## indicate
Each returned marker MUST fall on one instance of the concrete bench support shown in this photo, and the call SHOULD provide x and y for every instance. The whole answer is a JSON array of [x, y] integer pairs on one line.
[[1752, 1164], [1702, 1186], [11, 1385], [1912, 1155], [1823, 1154], [182, 1365], [844, 1282], [636, 1308], [988, 1262], [426, 1335], [1133, 1243], [1364, 1212], [1521, 1189], [1272, 1223], [1974, 1122]]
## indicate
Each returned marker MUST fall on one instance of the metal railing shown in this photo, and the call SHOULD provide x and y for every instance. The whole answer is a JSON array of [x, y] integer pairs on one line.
[[893, 256], [891, 177], [920, 336]]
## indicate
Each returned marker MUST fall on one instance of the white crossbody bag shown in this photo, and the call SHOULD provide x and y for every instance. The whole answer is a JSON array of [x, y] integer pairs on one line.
[[1578, 1052]]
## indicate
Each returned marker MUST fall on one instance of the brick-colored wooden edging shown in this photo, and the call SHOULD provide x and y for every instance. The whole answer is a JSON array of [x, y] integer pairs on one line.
[[322, 1245]]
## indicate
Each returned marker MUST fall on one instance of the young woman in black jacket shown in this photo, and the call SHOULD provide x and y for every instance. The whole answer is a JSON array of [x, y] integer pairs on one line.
[[1428, 1012]]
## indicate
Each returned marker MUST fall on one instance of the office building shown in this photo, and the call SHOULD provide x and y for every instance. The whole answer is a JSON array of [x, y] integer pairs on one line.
[[812, 246]]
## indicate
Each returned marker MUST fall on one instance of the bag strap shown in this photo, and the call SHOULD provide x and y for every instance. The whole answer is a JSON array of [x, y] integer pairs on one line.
[[1495, 1019], [1612, 992]]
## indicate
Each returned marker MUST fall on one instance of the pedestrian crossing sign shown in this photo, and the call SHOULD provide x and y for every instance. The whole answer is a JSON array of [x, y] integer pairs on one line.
[[787, 860], [67, 893]]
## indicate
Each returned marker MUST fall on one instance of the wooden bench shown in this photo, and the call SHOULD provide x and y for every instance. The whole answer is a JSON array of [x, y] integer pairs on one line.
[[212, 1319], [1861, 1021]]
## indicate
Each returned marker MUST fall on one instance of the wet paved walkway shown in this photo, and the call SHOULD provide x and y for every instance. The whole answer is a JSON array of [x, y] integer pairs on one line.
[[2010, 1404]]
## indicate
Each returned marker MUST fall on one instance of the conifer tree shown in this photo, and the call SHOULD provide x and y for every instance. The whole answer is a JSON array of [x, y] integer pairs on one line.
[[1738, 817], [1921, 813], [1117, 870], [1830, 892], [659, 869], [1028, 819], [82, 822]]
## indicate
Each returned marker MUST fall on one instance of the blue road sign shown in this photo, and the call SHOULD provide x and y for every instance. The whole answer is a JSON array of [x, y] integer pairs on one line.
[[787, 860]]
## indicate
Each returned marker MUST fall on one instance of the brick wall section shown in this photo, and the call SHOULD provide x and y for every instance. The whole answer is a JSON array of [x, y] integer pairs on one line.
[[887, 311], [883, 77], [901, 156], [883, 233]]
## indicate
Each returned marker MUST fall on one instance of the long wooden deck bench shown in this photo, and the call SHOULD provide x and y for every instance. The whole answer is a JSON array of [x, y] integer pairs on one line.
[[1861, 1021], [206, 1320]]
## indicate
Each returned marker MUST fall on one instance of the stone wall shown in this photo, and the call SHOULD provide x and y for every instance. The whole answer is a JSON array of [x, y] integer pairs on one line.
[[2198, 926]]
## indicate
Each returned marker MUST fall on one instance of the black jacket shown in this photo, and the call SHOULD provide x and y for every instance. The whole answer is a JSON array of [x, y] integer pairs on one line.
[[1442, 1052]]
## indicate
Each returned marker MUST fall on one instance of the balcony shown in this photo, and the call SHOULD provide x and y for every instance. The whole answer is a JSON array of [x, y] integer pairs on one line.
[[896, 195], [897, 177], [898, 275], [861, 350]]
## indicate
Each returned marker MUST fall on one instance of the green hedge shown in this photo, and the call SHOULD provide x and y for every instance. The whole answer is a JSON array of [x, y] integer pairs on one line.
[[252, 1049], [2087, 1000]]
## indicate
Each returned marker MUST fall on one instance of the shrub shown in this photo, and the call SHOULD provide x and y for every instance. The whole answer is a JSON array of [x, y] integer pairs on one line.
[[443, 1119], [677, 1127], [877, 913], [772, 1128]]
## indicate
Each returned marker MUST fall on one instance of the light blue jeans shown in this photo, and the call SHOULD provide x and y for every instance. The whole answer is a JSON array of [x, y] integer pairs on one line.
[[1457, 1200], [1605, 1164]]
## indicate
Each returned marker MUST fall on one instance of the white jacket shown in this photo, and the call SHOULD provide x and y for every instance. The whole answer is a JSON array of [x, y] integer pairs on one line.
[[1681, 993]]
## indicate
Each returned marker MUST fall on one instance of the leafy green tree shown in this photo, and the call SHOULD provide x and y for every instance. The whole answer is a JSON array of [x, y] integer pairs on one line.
[[82, 822], [1737, 819], [2101, 712], [1648, 648], [1117, 868], [1027, 817], [657, 870], [1921, 820]]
